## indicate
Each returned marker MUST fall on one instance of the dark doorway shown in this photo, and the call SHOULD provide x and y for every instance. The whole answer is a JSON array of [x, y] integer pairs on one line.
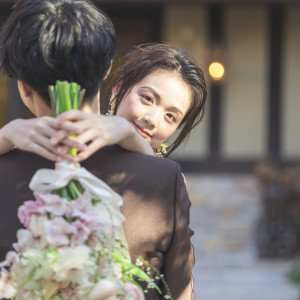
[[135, 24]]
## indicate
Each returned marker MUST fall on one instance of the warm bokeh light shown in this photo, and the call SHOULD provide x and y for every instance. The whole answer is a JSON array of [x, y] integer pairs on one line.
[[216, 70]]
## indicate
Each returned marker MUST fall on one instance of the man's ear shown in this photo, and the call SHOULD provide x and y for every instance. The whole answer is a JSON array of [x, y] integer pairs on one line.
[[27, 95], [25, 89], [115, 89]]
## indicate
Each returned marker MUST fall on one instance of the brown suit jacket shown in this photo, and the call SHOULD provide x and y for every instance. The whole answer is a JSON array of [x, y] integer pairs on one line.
[[156, 207]]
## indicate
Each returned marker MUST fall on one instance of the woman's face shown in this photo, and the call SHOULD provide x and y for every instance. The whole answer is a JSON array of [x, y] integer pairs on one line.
[[156, 105]]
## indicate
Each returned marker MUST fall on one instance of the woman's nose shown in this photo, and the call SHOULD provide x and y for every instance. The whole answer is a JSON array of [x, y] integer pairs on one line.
[[151, 118]]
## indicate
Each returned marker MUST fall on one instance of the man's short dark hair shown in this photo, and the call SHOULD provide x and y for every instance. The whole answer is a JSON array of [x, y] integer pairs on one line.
[[47, 40]]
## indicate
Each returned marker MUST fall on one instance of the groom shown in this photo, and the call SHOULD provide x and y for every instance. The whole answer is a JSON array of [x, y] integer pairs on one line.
[[43, 41]]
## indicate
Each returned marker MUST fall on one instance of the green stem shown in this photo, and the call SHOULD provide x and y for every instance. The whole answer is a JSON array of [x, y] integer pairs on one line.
[[67, 96]]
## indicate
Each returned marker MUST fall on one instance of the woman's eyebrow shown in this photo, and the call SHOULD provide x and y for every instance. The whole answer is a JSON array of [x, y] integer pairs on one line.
[[177, 110], [156, 94]]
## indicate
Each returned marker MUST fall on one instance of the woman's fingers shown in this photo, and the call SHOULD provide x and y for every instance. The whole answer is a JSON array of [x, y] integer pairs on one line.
[[33, 135], [59, 136], [71, 115], [44, 152], [42, 142], [96, 132], [91, 149], [78, 127], [71, 127], [64, 139], [69, 157]]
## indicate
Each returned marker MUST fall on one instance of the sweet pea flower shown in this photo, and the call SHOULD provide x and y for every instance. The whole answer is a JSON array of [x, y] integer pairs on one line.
[[37, 224], [73, 264], [26, 210], [117, 270], [11, 259], [25, 239], [57, 232], [91, 219], [80, 204], [134, 292], [81, 233], [7, 286], [95, 242], [51, 203], [30, 267], [101, 218], [83, 202], [103, 290], [110, 215]]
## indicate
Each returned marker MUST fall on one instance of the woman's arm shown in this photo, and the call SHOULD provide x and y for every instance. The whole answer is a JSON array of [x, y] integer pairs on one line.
[[33, 135], [5, 142], [99, 131]]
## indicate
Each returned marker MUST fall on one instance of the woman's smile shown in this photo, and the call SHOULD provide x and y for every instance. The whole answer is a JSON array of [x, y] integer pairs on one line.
[[141, 131]]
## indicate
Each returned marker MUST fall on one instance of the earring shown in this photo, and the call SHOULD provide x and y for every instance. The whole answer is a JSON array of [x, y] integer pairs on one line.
[[161, 150], [112, 105]]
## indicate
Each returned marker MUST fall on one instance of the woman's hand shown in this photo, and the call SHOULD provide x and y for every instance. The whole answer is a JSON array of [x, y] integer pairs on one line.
[[34, 135], [97, 131]]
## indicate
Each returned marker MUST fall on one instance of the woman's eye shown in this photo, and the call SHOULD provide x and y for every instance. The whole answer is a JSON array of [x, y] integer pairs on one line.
[[171, 117], [147, 98]]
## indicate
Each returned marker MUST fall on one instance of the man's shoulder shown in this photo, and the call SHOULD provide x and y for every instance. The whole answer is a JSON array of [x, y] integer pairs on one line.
[[114, 156], [21, 161], [108, 160]]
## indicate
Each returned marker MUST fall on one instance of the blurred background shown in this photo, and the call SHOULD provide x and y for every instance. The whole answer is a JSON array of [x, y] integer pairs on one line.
[[241, 163]]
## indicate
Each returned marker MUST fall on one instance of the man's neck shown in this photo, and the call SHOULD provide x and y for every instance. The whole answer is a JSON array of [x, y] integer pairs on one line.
[[92, 106], [39, 107]]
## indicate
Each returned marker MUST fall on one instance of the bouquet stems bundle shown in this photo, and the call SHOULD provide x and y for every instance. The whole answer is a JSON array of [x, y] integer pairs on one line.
[[73, 245], [66, 96]]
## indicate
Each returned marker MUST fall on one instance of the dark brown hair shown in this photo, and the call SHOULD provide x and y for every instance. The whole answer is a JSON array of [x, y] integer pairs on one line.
[[49, 40], [144, 59]]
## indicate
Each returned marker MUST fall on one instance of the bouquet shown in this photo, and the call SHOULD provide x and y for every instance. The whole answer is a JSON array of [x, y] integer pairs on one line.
[[73, 244]]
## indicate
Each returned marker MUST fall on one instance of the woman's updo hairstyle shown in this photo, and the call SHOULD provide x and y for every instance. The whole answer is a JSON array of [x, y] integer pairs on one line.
[[144, 59]]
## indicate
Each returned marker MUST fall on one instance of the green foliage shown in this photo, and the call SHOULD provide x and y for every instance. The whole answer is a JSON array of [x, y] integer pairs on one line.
[[294, 275]]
